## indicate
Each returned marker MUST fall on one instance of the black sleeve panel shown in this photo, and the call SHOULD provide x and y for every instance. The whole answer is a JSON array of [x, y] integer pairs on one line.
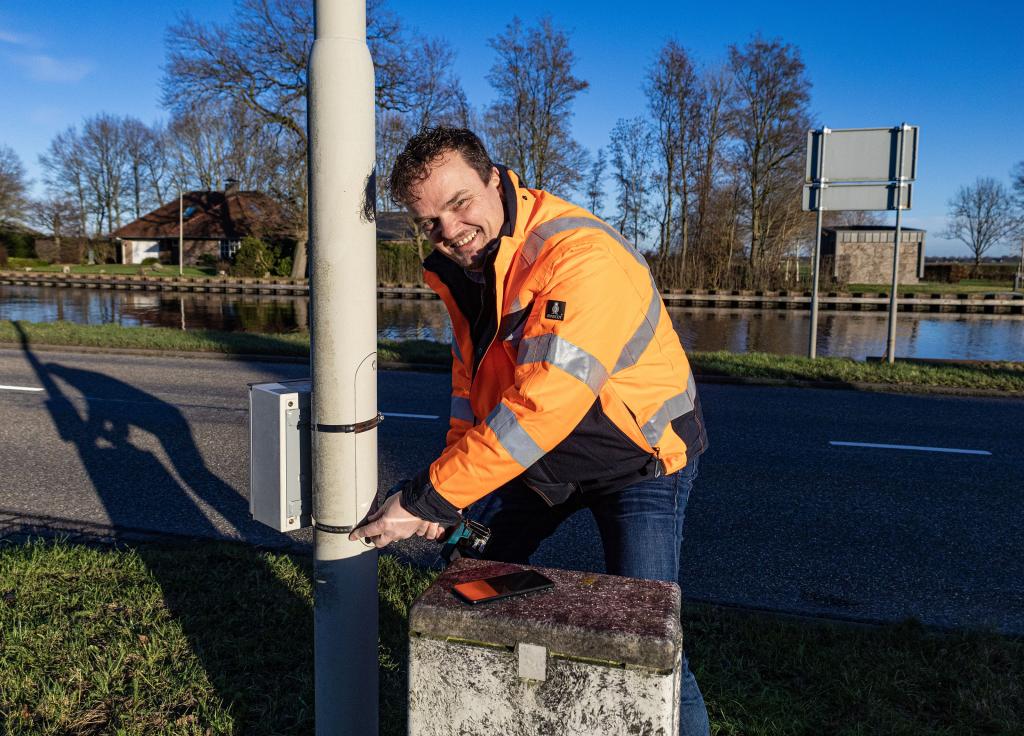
[[420, 498]]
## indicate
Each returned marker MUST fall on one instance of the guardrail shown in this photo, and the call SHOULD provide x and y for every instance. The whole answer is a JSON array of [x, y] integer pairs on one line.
[[993, 303]]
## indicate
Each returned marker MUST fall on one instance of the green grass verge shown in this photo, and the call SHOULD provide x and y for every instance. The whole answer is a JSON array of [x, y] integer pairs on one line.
[[995, 376], [933, 287], [217, 639], [990, 376], [212, 341]]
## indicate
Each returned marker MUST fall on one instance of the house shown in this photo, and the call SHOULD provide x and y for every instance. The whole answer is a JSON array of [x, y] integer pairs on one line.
[[396, 227], [862, 254], [214, 224]]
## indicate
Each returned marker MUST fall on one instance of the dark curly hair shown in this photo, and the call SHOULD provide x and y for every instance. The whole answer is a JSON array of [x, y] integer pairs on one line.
[[413, 164]]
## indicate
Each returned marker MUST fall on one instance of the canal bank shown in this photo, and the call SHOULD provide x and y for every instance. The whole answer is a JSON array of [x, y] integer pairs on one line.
[[1009, 303]]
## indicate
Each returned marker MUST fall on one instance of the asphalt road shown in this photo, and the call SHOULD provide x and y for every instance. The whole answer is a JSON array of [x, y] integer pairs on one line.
[[781, 518]]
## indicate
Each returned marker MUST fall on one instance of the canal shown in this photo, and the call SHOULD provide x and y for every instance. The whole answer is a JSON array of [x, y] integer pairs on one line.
[[846, 333]]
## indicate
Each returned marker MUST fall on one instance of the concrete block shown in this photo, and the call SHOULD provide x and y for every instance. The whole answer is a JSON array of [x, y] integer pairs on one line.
[[596, 655]]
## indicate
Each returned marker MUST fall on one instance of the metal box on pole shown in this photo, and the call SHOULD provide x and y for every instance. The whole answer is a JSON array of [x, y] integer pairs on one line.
[[279, 458]]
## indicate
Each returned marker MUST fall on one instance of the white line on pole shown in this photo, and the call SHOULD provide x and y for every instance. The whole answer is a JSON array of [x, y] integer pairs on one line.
[[920, 448], [19, 388], [409, 416]]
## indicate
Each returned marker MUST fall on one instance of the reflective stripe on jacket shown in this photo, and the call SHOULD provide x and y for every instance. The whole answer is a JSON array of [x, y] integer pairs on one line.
[[584, 384]]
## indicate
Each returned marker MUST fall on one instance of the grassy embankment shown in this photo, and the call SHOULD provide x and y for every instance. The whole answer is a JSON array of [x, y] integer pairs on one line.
[[217, 639], [993, 376]]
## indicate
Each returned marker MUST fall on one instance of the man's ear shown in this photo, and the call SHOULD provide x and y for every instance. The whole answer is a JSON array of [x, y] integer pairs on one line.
[[495, 178]]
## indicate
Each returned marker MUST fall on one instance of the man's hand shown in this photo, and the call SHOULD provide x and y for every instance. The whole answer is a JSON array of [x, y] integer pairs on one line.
[[391, 523]]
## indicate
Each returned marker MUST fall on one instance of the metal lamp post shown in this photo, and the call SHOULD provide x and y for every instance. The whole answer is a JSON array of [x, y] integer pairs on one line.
[[343, 354]]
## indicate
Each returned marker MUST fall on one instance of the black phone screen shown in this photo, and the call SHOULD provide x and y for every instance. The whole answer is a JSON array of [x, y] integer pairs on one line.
[[502, 586]]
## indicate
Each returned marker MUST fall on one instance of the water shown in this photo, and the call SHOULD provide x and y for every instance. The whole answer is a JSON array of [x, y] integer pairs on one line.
[[849, 334]]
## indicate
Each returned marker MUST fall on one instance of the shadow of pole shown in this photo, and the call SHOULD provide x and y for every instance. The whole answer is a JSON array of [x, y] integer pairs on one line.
[[137, 490]]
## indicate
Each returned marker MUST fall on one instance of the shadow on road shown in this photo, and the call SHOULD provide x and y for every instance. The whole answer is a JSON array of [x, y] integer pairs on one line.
[[139, 491]]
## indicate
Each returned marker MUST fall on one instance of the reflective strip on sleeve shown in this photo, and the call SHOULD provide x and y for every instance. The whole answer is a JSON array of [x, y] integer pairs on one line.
[[461, 409], [547, 230], [513, 321], [559, 352], [677, 406], [636, 345], [505, 425]]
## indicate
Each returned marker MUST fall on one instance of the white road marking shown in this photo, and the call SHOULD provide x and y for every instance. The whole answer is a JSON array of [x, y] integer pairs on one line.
[[19, 388], [410, 416], [952, 450]]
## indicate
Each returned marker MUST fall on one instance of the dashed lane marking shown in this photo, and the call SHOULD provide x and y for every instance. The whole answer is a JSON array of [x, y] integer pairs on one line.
[[919, 448]]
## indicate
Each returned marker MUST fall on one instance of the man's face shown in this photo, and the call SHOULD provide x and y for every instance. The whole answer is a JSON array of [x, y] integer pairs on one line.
[[459, 213]]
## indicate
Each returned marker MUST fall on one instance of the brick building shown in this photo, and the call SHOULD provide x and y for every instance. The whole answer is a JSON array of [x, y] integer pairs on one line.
[[862, 254]]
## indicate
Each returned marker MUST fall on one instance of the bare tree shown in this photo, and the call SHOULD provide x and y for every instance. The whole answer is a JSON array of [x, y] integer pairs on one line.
[[216, 141], [632, 147], [982, 215], [433, 96], [146, 162], [64, 172], [770, 121], [13, 186], [1017, 182], [56, 215], [674, 99], [595, 182], [259, 61], [528, 126]]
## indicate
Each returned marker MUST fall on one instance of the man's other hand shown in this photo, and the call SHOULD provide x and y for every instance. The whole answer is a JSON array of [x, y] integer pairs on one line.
[[391, 523]]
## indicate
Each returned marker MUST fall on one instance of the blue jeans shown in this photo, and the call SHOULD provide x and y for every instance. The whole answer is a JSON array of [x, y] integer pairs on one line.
[[641, 529]]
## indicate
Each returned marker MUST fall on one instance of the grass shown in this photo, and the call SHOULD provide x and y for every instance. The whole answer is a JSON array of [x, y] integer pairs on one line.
[[937, 287], [167, 339], [112, 269], [992, 376], [217, 639]]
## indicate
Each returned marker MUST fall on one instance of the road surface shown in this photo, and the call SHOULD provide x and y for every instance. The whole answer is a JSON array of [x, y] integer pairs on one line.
[[815, 502]]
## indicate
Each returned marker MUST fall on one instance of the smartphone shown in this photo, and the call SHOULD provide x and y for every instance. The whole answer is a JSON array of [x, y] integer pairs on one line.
[[502, 586]]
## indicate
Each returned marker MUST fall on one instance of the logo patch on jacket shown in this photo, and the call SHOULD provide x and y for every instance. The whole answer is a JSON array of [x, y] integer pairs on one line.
[[555, 310]]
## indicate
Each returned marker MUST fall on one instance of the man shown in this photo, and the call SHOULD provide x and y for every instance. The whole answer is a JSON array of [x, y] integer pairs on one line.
[[570, 388]]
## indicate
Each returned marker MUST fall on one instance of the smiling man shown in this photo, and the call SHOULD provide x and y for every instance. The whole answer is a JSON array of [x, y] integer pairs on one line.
[[570, 388]]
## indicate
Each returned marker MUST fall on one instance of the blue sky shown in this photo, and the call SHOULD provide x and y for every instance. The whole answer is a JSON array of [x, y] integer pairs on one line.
[[955, 69]]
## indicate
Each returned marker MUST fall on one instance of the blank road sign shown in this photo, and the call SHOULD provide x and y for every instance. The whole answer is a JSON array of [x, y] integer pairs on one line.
[[856, 197], [862, 154]]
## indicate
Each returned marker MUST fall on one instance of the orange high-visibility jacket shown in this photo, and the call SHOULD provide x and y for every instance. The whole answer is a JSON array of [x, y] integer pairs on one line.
[[584, 386]]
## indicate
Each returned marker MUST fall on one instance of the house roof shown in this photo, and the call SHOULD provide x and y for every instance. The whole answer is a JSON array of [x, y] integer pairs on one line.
[[211, 216], [395, 226]]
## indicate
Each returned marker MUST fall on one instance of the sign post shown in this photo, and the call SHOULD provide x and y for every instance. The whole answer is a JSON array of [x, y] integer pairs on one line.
[[890, 342], [812, 342], [868, 169]]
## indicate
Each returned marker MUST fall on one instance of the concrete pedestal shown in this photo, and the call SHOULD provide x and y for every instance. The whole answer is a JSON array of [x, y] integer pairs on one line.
[[596, 655]]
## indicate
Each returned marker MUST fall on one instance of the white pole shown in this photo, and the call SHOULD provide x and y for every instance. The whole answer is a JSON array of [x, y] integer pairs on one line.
[[181, 230], [890, 343], [812, 341], [343, 334]]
